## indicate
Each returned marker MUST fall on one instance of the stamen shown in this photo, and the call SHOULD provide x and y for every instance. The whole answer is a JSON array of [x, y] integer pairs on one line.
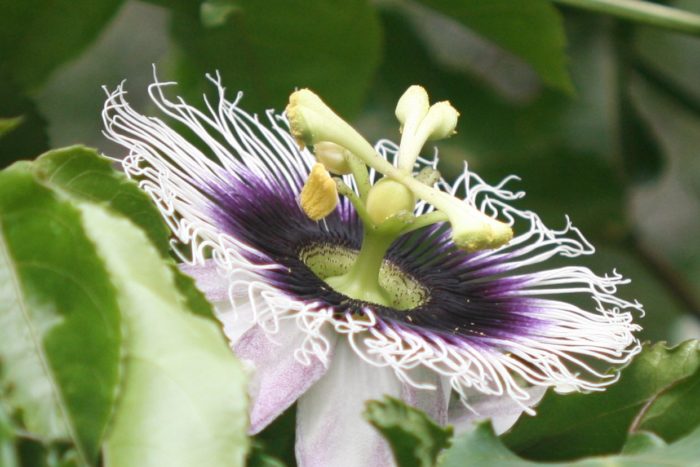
[[312, 121], [472, 230], [335, 158], [319, 197]]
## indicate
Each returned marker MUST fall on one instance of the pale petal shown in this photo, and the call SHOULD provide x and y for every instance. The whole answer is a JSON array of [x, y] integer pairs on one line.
[[208, 280], [277, 377], [236, 320], [434, 402], [502, 410], [331, 430]]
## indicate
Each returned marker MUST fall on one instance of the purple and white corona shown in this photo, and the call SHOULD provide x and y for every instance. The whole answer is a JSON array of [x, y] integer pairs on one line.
[[342, 271]]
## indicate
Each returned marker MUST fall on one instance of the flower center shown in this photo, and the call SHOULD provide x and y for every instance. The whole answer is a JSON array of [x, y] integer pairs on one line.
[[387, 207], [327, 261]]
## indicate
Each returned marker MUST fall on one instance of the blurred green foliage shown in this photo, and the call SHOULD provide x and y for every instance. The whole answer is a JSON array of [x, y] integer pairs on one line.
[[627, 425], [483, 448], [597, 424], [415, 439], [260, 53]]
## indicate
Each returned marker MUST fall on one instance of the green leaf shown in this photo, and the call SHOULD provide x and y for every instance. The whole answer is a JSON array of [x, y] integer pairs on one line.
[[258, 457], [591, 424], [676, 411], [45, 33], [216, 12], [9, 124], [414, 438], [59, 322], [277, 440], [8, 453], [197, 303], [642, 441], [267, 49], [33, 453], [531, 29], [28, 137], [184, 401], [481, 447], [80, 173]]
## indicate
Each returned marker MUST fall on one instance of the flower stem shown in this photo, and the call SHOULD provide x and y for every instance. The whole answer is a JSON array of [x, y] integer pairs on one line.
[[361, 282], [356, 201], [359, 173], [642, 12]]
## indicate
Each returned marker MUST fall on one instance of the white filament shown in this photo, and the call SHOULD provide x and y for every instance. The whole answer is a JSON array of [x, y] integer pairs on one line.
[[170, 170]]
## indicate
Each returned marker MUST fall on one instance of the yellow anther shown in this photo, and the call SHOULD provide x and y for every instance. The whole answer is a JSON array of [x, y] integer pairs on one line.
[[319, 197]]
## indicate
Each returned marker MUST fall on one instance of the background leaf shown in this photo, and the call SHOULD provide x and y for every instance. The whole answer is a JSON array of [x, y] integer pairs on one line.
[[258, 457], [45, 33], [277, 440], [216, 12], [531, 29], [591, 424], [184, 401], [414, 438], [9, 124], [28, 138], [641, 441], [267, 49], [674, 412], [59, 319], [8, 454], [481, 447], [640, 149], [642, 153], [600, 214]]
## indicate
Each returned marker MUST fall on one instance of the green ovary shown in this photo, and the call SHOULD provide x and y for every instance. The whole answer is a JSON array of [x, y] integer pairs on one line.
[[337, 266]]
